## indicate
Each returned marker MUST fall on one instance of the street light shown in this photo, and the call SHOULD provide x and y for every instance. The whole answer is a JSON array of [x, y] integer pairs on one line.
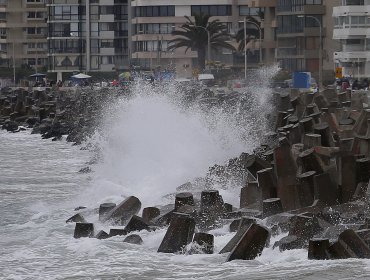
[[245, 21], [320, 48], [209, 41]]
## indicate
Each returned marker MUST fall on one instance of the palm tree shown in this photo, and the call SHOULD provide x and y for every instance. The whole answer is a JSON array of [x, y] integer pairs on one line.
[[194, 37], [252, 32]]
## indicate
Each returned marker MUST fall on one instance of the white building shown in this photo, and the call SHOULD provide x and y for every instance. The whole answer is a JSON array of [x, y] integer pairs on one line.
[[352, 29]]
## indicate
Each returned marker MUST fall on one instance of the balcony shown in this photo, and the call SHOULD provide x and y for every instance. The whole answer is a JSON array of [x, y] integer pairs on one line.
[[107, 51], [261, 3], [107, 18], [348, 32], [352, 56], [106, 34], [351, 10]]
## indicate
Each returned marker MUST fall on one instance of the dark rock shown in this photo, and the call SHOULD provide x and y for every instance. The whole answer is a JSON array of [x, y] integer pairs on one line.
[[251, 244], [104, 209], [85, 170], [184, 198], [150, 213], [204, 243], [179, 234], [289, 242], [102, 235], [271, 207], [124, 211], [117, 231], [136, 224], [134, 239], [76, 219], [84, 230], [318, 249]]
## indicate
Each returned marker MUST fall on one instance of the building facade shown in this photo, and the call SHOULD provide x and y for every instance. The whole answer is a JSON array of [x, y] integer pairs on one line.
[[153, 21], [87, 36], [352, 31], [298, 36], [23, 32]]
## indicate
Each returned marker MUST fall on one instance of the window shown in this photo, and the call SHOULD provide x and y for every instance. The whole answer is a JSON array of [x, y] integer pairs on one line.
[[155, 11], [214, 10], [246, 11], [106, 43]]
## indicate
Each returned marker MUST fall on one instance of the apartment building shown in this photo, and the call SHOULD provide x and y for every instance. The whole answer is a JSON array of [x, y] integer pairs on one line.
[[298, 36], [351, 30], [153, 21], [23, 32], [87, 36]]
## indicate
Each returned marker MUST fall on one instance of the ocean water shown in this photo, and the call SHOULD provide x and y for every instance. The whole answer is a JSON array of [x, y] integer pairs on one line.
[[147, 147]]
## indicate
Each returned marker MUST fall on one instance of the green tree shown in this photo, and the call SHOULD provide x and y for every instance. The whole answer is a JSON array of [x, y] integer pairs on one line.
[[252, 31], [194, 37]]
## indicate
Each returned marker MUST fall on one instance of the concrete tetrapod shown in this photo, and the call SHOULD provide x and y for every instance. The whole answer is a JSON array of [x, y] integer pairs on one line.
[[124, 211], [179, 233], [185, 198], [251, 244], [84, 230]]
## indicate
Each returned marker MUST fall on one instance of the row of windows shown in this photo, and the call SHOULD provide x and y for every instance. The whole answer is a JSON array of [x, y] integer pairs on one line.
[[294, 24], [247, 11], [155, 11], [157, 45], [295, 5], [154, 28], [212, 10], [35, 15], [351, 21]]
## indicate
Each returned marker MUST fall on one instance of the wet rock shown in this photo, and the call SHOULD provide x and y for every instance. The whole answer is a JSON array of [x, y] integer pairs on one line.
[[102, 235], [251, 244], [136, 224], [318, 249], [84, 230], [85, 170], [184, 198], [76, 219], [117, 231], [289, 242], [134, 239], [178, 235], [149, 213], [123, 211], [204, 243], [104, 209]]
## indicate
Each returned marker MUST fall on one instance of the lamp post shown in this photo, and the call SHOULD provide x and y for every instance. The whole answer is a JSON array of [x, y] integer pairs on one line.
[[320, 48], [209, 42], [245, 21]]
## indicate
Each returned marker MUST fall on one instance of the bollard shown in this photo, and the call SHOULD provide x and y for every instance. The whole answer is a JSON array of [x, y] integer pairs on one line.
[[149, 213], [251, 244], [271, 207], [347, 171], [185, 198], [310, 161], [178, 235], [363, 170], [311, 140], [326, 135], [84, 230], [251, 196], [104, 209], [305, 188], [317, 249], [267, 183], [206, 241], [286, 170], [325, 190]]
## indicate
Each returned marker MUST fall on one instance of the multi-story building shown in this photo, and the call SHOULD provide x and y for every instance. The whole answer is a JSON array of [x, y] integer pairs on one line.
[[154, 20], [352, 30], [298, 36], [23, 32], [87, 35]]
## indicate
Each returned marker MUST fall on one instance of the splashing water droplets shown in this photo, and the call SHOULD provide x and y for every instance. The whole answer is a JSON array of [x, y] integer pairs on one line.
[[151, 143]]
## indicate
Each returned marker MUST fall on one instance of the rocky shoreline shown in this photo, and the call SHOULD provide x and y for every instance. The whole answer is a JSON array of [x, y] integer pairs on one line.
[[309, 179], [53, 113]]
